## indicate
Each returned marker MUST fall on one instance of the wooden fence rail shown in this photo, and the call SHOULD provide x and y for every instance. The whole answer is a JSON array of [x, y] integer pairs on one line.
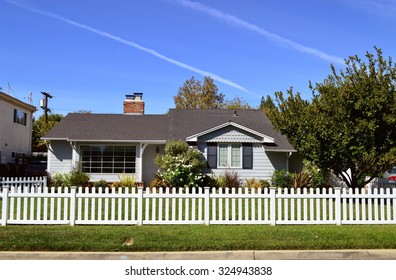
[[32, 202]]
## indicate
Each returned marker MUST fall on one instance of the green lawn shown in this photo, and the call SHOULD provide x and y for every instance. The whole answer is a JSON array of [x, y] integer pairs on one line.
[[196, 237]]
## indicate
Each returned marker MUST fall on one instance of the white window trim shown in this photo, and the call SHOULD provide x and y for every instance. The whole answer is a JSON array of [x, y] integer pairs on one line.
[[229, 155]]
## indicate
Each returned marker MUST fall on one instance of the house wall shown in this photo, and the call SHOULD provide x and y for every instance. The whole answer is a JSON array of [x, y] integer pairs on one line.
[[264, 163], [149, 166], [60, 157], [14, 137], [63, 156]]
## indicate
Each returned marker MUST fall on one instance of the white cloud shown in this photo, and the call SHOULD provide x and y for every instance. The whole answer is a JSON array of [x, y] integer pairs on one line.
[[233, 20], [133, 45]]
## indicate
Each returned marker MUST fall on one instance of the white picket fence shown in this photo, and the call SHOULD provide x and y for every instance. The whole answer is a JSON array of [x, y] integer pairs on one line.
[[24, 204]]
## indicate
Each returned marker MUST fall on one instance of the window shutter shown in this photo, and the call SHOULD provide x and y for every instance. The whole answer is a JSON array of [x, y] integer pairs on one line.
[[212, 155], [247, 150]]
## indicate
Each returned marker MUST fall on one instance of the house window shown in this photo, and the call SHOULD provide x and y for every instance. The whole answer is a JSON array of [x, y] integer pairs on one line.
[[20, 117], [230, 155], [108, 159]]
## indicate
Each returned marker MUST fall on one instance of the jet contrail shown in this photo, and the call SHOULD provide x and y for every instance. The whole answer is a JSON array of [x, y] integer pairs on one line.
[[132, 44], [233, 20]]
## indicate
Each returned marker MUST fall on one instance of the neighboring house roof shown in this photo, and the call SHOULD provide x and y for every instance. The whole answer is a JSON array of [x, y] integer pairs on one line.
[[178, 124], [16, 102]]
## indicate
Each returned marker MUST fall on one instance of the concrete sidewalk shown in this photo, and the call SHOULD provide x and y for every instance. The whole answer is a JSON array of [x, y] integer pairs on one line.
[[213, 255]]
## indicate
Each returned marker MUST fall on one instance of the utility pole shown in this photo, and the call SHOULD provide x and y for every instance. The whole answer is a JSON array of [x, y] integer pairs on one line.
[[44, 105]]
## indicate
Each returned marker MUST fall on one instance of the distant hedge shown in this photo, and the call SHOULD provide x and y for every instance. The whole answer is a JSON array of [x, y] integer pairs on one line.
[[12, 170]]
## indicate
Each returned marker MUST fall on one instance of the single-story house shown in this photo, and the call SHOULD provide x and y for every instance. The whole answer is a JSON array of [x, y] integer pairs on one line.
[[108, 145], [16, 120]]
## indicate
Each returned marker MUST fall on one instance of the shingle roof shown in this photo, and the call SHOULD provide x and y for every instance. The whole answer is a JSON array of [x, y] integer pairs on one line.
[[176, 124], [110, 127]]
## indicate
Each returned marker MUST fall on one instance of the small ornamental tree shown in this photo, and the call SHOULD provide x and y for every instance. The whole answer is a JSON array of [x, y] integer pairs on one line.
[[180, 166]]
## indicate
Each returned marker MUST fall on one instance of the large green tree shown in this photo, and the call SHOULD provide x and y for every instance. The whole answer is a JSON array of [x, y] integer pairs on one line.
[[349, 126], [196, 95], [40, 128]]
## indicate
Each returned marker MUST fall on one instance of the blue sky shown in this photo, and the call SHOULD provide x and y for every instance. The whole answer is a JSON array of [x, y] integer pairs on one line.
[[89, 53]]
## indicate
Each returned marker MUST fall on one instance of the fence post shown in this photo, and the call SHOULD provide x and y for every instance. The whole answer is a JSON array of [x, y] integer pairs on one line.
[[73, 190], [338, 205], [207, 206], [4, 198], [272, 206], [140, 205]]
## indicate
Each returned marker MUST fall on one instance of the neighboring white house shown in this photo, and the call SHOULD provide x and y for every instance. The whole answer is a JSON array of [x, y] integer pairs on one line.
[[107, 145], [16, 119]]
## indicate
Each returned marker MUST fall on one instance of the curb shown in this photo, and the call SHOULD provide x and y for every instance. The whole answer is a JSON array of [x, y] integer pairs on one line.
[[207, 255]]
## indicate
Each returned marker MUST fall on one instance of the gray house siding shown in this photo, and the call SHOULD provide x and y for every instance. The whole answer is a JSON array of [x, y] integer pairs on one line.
[[149, 166], [229, 134], [264, 163], [60, 157]]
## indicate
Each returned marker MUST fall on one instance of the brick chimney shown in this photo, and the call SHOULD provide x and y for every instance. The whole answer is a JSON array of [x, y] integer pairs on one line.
[[134, 104]]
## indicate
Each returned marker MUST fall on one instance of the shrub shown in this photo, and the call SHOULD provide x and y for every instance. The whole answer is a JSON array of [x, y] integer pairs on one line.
[[301, 180], [157, 184], [180, 166], [60, 180], [4, 170], [319, 176], [281, 179], [253, 184], [100, 184], [78, 178], [73, 178], [265, 183], [127, 181], [218, 182], [232, 179], [116, 185]]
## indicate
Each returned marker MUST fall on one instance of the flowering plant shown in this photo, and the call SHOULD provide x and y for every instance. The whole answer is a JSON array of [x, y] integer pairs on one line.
[[180, 166]]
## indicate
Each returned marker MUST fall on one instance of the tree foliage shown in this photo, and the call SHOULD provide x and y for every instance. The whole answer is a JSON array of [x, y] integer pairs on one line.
[[236, 103], [350, 122], [197, 95], [40, 128]]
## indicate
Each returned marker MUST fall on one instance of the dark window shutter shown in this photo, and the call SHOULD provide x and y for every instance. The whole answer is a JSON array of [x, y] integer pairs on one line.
[[212, 155], [247, 150]]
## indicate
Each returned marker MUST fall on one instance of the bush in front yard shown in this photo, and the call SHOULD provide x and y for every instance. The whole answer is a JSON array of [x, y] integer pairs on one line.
[[281, 179], [60, 180], [180, 166], [100, 184], [73, 178], [127, 181]]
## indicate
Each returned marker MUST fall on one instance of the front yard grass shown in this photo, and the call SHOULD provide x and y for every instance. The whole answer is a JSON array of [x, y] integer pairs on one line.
[[196, 237]]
